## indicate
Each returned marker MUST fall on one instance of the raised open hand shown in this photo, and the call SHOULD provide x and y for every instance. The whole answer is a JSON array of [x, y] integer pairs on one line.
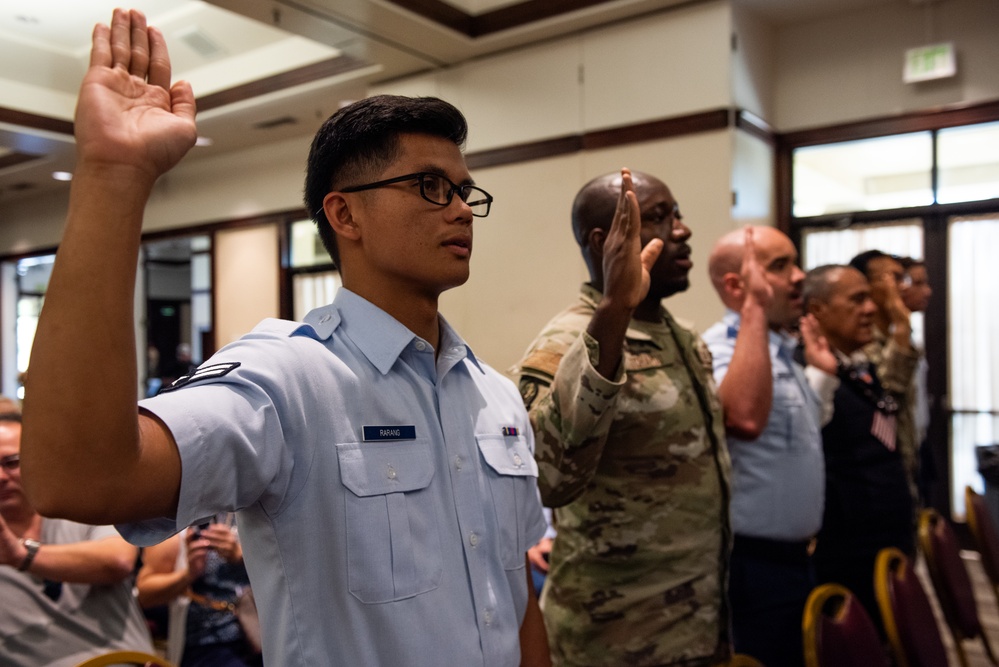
[[754, 280], [626, 264], [128, 115], [817, 350]]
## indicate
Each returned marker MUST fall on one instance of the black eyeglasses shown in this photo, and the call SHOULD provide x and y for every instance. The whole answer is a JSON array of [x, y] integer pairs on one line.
[[11, 463], [439, 190]]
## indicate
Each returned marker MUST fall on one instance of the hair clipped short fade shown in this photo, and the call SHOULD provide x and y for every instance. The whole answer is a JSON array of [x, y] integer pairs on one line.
[[359, 140]]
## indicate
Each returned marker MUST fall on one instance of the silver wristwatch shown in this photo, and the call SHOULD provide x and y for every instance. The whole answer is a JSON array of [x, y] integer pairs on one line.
[[32, 547]]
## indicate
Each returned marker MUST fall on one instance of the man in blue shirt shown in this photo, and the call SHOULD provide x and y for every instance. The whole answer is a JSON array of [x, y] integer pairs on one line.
[[773, 419], [383, 475]]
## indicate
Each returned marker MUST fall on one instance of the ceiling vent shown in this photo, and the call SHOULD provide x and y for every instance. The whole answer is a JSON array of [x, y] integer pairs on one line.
[[201, 43], [275, 122]]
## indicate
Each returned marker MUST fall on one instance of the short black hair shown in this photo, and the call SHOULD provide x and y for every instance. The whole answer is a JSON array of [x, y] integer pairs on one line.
[[361, 138], [863, 260], [910, 262]]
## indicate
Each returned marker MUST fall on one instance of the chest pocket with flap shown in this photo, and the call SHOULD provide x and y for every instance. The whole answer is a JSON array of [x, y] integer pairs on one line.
[[393, 540]]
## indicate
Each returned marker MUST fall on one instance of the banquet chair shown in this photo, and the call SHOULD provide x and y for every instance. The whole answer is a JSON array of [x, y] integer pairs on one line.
[[908, 617], [951, 583], [742, 660], [985, 534], [837, 631], [125, 658]]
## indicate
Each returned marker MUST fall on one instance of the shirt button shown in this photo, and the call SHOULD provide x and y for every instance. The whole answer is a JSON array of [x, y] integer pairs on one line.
[[458, 462], [519, 461], [473, 539], [392, 473], [488, 617], [420, 345]]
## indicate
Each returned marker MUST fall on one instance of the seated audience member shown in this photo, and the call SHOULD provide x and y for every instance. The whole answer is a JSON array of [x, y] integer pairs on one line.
[[868, 505], [200, 574], [65, 587], [774, 412]]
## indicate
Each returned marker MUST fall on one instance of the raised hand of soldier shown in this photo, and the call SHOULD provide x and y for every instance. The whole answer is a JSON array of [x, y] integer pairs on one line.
[[626, 264]]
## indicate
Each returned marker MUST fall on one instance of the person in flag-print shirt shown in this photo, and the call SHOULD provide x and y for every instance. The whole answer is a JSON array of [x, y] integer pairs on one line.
[[868, 505]]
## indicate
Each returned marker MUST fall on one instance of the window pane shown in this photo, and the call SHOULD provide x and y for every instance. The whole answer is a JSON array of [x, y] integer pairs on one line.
[[973, 291], [33, 275], [838, 246], [306, 247], [201, 322], [968, 163], [973, 326], [28, 309], [313, 290], [865, 175]]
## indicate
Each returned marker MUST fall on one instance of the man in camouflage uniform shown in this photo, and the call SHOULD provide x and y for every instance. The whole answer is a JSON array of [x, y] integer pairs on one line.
[[892, 352], [630, 446]]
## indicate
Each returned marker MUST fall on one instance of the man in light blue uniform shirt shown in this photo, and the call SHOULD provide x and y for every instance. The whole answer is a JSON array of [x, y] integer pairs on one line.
[[382, 475], [773, 419]]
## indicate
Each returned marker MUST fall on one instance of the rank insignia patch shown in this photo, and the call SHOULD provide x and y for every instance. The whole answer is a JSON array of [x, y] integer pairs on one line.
[[203, 373]]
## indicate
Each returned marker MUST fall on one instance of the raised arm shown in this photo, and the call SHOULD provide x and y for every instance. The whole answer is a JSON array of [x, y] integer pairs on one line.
[[898, 359], [85, 453], [746, 391], [626, 266], [570, 381]]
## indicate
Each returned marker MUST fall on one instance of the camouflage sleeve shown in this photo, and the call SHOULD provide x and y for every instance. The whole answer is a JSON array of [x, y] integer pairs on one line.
[[571, 408], [896, 367]]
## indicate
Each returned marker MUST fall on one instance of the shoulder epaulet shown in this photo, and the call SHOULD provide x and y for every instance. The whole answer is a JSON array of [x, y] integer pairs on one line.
[[544, 362]]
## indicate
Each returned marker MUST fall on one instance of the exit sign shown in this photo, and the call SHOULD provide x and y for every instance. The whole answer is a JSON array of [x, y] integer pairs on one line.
[[936, 61]]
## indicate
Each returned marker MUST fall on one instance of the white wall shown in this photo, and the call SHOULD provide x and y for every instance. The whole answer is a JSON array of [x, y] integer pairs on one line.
[[670, 64], [753, 63], [849, 67], [526, 266]]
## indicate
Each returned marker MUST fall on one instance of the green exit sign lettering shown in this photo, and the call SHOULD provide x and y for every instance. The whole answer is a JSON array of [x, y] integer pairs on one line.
[[936, 61]]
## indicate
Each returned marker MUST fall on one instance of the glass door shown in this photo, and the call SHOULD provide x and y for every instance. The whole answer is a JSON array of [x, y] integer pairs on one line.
[[973, 358]]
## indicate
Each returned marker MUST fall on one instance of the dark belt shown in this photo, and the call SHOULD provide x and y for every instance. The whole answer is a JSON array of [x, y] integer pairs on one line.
[[779, 551]]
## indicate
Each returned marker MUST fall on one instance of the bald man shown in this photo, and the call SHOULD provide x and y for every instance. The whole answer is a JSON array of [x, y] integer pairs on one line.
[[773, 420], [630, 446]]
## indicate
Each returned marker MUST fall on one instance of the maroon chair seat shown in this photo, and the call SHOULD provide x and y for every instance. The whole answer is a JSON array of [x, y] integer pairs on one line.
[[986, 535], [908, 617], [838, 632], [951, 582]]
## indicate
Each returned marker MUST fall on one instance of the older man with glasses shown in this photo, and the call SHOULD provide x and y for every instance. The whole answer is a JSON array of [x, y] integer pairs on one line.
[[66, 587]]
